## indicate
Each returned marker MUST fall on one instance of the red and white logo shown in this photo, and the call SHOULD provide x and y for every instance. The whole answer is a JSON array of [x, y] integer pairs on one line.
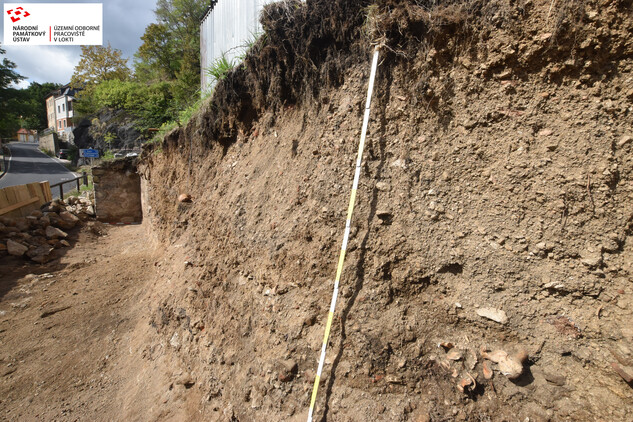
[[17, 13]]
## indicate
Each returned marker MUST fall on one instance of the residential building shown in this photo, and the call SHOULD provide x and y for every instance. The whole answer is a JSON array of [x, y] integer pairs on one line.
[[50, 111], [60, 109]]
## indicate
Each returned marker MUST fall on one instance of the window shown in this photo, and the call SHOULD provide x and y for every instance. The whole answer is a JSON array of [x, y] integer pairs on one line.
[[64, 123], [63, 107], [59, 109]]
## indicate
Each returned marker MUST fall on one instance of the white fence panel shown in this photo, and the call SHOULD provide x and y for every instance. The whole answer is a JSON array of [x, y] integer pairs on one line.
[[225, 30]]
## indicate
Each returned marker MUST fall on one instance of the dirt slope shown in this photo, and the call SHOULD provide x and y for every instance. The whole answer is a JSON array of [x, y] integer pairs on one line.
[[498, 175]]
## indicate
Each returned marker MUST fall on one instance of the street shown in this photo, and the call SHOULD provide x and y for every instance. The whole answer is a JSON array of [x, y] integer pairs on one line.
[[28, 164]]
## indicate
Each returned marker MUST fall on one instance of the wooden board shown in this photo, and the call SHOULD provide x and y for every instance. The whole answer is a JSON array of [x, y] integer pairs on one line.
[[21, 200], [46, 191], [19, 205], [4, 201]]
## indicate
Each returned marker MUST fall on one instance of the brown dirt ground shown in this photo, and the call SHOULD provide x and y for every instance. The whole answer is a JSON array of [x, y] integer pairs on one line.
[[73, 363]]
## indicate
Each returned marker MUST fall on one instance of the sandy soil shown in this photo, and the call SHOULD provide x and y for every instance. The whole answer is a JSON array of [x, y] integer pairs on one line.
[[65, 327]]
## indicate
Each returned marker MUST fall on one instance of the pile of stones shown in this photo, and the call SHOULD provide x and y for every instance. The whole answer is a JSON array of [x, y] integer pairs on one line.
[[44, 231]]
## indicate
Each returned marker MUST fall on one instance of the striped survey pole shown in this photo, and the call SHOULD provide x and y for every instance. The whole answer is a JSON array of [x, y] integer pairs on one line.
[[350, 211]]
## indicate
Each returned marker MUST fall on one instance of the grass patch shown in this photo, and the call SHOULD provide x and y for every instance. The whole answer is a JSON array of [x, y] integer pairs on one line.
[[163, 130], [107, 156], [181, 120], [185, 115], [249, 44], [71, 167], [84, 188], [216, 72], [219, 69], [47, 152]]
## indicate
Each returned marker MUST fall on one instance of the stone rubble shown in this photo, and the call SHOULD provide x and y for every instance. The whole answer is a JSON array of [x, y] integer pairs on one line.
[[38, 235]]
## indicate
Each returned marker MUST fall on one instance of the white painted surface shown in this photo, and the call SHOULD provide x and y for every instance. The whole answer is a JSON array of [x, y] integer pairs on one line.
[[225, 30]]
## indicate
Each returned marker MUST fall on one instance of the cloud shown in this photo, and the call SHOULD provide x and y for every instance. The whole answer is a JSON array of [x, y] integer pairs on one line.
[[124, 23], [22, 85], [44, 63]]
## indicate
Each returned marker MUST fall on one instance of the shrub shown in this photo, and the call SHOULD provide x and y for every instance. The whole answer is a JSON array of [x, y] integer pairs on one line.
[[150, 104]]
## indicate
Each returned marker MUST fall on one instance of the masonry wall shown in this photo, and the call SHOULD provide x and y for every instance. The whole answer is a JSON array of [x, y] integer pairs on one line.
[[48, 141], [117, 188]]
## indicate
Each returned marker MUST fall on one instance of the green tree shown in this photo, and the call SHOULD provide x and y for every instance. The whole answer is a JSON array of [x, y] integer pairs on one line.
[[171, 47], [156, 58], [149, 103], [32, 104], [9, 117], [167, 69], [7, 75], [98, 64]]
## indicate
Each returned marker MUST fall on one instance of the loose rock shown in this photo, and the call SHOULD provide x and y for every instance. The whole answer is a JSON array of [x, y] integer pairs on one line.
[[383, 186], [41, 254], [185, 197], [54, 233], [69, 217], [496, 315], [509, 365], [287, 370], [591, 258], [624, 140], [15, 248], [626, 372]]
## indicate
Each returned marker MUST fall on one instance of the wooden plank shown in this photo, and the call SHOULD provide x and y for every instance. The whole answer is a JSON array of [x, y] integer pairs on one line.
[[19, 197], [36, 190], [4, 201], [40, 193], [21, 200], [18, 205], [14, 193], [22, 193], [46, 189], [11, 196], [32, 190]]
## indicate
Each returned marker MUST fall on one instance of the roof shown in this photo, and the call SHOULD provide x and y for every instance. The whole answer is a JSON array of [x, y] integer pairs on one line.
[[64, 90]]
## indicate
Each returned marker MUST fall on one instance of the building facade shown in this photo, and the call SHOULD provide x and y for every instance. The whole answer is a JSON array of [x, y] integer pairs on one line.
[[60, 110], [26, 135], [63, 108], [50, 111]]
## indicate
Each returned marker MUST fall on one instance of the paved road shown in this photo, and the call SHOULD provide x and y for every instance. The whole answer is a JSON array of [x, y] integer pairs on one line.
[[28, 165]]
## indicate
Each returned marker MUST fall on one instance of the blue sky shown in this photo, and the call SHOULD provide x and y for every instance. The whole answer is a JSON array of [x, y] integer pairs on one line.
[[124, 22]]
